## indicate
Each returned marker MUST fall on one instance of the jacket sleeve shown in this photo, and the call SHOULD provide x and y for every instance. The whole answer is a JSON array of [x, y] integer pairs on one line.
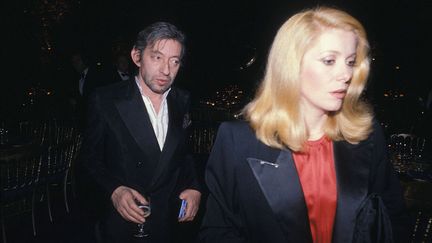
[[92, 154], [385, 183], [222, 222]]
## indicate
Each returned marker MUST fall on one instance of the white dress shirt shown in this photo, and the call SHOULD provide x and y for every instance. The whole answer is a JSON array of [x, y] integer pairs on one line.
[[159, 120], [124, 76], [82, 80]]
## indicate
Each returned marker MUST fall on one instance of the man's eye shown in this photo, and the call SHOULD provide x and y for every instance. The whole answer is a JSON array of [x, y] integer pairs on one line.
[[156, 57]]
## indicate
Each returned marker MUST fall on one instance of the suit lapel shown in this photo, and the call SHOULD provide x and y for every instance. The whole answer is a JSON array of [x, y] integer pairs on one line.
[[352, 172], [281, 187], [171, 141], [133, 113]]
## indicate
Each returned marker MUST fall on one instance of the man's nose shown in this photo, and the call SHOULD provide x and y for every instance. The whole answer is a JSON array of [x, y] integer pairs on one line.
[[165, 68]]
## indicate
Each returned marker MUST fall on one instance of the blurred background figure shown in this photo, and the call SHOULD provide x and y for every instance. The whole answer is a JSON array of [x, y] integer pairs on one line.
[[90, 76], [121, 68]]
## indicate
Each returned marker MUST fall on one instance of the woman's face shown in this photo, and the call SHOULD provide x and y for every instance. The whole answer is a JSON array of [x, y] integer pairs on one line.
[[326, 71]]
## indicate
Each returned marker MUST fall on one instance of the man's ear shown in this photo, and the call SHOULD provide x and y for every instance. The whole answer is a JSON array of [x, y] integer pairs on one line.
[[136, 56]]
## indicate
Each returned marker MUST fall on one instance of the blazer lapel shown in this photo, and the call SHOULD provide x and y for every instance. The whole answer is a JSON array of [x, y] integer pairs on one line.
[[171, 141], [134, 114], [352, 172], [281, 187]]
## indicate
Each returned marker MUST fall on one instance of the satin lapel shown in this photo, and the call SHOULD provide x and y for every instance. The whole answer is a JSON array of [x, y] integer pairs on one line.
[[134, 114], [281, 187], [352, 172], [171, 141]]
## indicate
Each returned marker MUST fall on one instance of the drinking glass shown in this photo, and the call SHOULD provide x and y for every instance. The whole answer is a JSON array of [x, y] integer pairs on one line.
[[142, 232]]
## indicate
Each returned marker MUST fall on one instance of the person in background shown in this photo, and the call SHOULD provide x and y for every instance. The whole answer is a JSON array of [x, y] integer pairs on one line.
[[90, 77], [135, 145], [121, 68], [309, 162]]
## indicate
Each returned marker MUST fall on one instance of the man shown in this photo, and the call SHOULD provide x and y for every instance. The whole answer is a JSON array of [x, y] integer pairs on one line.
[[121, 68], [90, 77], [135, 146]]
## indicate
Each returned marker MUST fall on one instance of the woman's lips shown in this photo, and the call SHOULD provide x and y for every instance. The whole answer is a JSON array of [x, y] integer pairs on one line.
[[339, 94]]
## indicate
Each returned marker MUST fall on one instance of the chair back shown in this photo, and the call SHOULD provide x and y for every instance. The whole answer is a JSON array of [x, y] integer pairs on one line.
[[407, 146], [20, 171], [422, 226], [59, 158], [405, 150]]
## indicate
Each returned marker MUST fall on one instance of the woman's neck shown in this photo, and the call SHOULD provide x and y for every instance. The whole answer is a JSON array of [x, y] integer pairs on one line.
[[315, 125]]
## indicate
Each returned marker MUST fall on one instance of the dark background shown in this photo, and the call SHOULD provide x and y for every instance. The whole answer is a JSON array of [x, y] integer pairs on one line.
[[40, 36]]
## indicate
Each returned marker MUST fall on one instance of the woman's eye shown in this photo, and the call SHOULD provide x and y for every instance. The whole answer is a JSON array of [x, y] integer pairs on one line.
[[351, 63], [328, 61]]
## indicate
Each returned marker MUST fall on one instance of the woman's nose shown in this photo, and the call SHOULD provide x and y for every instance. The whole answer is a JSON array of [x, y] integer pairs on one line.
[[345, 73]]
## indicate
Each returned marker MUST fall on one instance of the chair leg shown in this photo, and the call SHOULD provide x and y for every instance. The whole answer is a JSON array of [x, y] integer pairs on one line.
[[49, 202], [3, 225], [65, 191], [72, 182], [33, 212]]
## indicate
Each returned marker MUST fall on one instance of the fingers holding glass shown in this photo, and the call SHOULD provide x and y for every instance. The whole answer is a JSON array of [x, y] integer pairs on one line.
[[145, 212]]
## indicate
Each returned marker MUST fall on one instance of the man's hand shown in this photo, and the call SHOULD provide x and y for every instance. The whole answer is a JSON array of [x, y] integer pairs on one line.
[[125, 202], [192, 198]]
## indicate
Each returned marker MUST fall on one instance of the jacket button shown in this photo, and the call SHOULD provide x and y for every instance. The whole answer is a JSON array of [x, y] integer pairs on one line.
[[140, 164]]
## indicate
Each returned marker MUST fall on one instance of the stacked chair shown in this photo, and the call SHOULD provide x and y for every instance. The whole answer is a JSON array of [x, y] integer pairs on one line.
[[20, 174], [61, 152], [30, 173]]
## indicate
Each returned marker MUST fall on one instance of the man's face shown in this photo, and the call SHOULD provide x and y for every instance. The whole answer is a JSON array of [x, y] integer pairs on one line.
[[77, 63], [158, 65]]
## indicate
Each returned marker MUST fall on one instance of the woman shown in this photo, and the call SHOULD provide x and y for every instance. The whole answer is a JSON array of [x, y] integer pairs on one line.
[[309, 154]]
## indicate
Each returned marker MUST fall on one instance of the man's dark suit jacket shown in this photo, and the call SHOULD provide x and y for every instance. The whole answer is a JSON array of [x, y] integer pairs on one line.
[[121, 149], [256, 195]]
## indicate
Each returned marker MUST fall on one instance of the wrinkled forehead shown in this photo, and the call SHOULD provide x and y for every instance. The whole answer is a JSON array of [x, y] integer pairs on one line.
[[158, 45], [171, 46]]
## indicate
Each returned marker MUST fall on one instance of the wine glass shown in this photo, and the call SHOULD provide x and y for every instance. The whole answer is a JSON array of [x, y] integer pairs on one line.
[[142, 232]]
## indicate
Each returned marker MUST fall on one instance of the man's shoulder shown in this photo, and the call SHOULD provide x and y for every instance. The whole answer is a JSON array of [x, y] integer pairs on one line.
[[179, 98], [179, 93]]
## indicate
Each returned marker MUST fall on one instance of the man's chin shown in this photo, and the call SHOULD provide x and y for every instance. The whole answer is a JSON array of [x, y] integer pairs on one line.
[[160, 90]]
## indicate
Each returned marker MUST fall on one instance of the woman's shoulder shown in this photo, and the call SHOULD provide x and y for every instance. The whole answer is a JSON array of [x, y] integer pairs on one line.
[[237, 127], [235, 124], [377, 134]]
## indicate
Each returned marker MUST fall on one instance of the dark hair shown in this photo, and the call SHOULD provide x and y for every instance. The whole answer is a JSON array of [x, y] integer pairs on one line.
[[159, 31]]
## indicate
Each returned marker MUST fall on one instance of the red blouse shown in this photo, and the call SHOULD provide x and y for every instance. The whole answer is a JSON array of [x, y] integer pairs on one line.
[[318, 179]]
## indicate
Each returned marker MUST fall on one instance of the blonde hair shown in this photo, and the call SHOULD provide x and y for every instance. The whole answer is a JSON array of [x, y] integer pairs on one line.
[[275, 113]]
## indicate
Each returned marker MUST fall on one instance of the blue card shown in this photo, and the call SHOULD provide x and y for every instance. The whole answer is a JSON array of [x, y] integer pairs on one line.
[[182, 211]]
